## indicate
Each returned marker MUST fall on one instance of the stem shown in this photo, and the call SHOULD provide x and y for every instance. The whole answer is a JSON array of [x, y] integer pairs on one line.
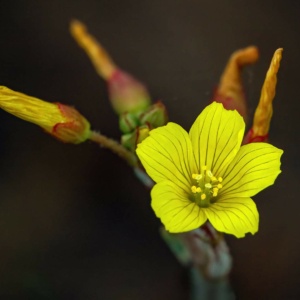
[[114, 147], [202, 289]]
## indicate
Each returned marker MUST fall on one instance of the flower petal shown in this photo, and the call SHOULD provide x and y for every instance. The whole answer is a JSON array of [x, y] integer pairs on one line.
[[255, 167], [235, 216], [216, 137], [172, 205], [167, 154]]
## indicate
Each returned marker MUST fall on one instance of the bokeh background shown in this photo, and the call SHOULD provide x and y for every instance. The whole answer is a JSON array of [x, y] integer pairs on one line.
[[74, 221]]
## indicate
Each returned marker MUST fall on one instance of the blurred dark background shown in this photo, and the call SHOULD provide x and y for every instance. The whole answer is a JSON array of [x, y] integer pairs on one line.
[[74, 221]]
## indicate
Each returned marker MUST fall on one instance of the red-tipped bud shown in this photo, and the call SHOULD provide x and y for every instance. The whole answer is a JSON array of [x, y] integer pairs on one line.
[[126, 93], [230, 90], [61, 121]]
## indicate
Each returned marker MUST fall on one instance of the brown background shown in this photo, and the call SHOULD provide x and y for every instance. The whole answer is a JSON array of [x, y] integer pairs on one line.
[[74, 221]]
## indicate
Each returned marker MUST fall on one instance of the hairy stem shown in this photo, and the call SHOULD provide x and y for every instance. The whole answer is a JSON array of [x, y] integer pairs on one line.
[[114, 147]]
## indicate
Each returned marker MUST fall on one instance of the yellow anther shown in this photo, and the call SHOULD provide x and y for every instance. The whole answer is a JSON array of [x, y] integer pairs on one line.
[[220, 186], [220, 179], [194, 189], [204, 168], [209, 173], [198, 177], [194, 176], [214, 178], [203, 196], [215, 192], [208, 185], [198, 190]]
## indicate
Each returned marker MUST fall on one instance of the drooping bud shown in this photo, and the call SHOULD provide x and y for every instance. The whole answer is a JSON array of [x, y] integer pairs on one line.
[[128, 122], [61, 121], [156, 115], [126, 93], [264, 110], [131, 140], [230, 90]]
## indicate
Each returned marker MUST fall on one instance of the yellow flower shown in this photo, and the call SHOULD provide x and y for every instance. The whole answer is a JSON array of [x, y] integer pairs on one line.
[[206, 174]]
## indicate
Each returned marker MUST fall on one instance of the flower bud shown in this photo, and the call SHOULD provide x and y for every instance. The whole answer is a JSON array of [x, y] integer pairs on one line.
[[131, 140], [264, 111], [126, 93], [61, 121], [156, 115], [230, 90], [128, 122]]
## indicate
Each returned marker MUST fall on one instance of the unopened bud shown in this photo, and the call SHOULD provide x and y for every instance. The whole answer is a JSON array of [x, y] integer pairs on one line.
[[128, 122], [126, 93], [61, 121], [156, 115], [230, 91], [264, 110], [131, 140]]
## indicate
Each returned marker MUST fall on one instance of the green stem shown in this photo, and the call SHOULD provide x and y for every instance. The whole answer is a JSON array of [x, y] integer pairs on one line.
[[114, 147]]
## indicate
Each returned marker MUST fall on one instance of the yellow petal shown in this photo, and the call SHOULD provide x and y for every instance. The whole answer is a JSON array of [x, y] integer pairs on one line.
[[216, 137], [31, 109], [235, 216], [167, 154], [255, 167], [176, 211]]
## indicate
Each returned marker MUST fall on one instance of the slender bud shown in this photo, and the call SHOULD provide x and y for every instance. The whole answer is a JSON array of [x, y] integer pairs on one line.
[[156, 115], [264, 110], [126, 93], [128, 122], [131, 140], [230, 90], [61, 121]]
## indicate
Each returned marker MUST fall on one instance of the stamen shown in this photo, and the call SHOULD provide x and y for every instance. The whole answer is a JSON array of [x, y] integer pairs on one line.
[[215, 194], [205, 187], [198, 177], [194, 189]]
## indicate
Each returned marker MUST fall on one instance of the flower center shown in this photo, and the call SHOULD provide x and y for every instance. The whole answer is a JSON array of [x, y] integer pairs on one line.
[[205, 187]]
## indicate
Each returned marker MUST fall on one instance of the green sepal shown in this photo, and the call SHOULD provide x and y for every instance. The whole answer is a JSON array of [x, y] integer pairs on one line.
[[156, 115], [128, 122], [131, 140]]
